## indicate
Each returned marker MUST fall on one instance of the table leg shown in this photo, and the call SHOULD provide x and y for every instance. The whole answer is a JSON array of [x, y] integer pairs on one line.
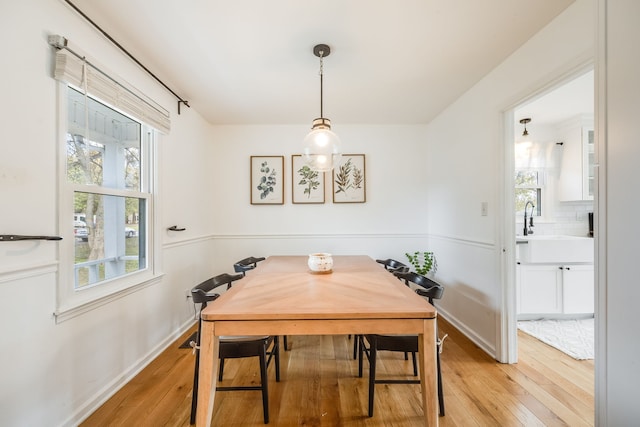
[[428, 373], [208, 374]]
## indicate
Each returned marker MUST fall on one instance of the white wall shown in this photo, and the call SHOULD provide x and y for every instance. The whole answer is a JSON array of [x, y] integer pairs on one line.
[[618, 361], [391, 222], [470, 135], [56, 373]]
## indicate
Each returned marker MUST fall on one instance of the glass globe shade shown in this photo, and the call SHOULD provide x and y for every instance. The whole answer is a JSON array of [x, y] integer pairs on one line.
[[322, 149]]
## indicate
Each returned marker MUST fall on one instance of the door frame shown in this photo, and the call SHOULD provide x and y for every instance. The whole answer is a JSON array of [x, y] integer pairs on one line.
[[507, 333]]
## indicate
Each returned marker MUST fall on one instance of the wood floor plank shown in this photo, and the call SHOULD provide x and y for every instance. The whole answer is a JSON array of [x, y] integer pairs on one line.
[[320, 387]]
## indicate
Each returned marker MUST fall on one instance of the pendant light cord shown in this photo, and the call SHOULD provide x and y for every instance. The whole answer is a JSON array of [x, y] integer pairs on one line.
[[321, 79]]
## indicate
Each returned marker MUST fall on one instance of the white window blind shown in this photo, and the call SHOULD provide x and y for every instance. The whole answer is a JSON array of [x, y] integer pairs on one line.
[[74, 70]]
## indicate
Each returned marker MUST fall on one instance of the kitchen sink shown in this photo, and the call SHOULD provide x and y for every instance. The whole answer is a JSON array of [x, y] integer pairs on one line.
[[555, 249]]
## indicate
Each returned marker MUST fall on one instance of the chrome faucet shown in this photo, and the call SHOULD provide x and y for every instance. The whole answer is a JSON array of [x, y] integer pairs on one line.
[[528, 231]]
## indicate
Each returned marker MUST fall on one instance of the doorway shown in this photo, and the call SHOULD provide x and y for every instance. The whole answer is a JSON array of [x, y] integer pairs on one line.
[[551, 168]]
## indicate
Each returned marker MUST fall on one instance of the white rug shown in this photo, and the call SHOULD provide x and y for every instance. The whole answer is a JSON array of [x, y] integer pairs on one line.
[[573, 337]]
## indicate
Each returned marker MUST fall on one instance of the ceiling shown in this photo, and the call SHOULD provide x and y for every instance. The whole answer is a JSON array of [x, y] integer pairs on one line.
[[251, 61], [571, 99]]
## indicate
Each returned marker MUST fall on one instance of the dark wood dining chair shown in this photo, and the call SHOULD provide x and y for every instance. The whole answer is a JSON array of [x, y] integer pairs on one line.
[[370, 344], [392, 266], [246, 264], [265, 348]]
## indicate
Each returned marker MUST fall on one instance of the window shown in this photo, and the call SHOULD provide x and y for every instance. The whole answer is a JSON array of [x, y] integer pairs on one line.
[[529, 184], [107, 196], [104, 171], [106, 188]]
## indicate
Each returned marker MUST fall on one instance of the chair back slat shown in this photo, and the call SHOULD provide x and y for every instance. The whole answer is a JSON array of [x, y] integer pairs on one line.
[[434, 292], [247, 264], [201, 293], [428, 288], [393, 266]]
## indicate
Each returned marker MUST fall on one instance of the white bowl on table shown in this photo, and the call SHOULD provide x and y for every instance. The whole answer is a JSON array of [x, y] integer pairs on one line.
[[320, 263]]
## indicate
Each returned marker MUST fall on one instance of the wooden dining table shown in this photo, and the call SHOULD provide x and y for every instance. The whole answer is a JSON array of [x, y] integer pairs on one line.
[[283, 297]]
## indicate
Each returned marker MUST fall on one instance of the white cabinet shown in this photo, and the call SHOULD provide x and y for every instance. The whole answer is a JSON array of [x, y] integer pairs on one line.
[[576, 169], [578, 289], [554, 290], [540, 290]]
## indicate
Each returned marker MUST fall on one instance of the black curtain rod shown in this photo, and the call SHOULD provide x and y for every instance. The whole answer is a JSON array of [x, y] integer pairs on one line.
[[111, 39], [17, 237]]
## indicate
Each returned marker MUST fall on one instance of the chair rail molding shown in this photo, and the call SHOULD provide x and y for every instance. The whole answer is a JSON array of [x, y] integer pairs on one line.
[[28, 271]]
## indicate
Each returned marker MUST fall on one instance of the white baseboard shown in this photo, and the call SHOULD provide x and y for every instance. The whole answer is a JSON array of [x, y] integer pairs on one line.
[[469, 333], [97, 400]]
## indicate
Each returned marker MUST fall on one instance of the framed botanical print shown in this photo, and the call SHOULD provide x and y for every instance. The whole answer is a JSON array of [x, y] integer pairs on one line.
[[267, 180], [307, 185], [349, 180]]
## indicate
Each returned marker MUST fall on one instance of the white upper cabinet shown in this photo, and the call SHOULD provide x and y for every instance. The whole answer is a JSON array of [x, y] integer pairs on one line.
[[576, 178]]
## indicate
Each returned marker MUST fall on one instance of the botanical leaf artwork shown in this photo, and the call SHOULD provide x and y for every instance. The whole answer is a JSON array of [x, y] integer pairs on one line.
[[309, 178], [349, 177], [349, 180], [358, 178], [267, 180], [343, 177]]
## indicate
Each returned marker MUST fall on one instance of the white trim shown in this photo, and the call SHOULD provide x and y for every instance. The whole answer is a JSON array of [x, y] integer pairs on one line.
[[187, 241], [582, 63], [64, 199], [507, 320], [107, 191], [600, 214], [466, 331], [66, 313], [506, 326], [320, 236], [71, 302], [204, 238], [464, 241], [28, 271]]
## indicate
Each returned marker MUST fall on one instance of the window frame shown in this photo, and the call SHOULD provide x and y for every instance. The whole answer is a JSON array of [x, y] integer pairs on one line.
[[540, 187], [72, 301]]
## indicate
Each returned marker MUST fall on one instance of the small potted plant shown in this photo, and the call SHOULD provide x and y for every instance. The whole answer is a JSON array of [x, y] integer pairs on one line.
[[422, 262]]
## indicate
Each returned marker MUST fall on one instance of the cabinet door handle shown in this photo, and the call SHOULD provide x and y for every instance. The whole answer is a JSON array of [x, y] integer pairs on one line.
[[568, 268], [560, 268]]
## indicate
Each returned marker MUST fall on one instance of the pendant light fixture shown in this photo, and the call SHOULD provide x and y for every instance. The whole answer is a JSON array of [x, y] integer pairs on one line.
[[523, 149], [321, 146], [525, 134]]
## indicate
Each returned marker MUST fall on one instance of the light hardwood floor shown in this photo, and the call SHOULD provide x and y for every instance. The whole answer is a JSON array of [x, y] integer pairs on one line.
[[320, 387]]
